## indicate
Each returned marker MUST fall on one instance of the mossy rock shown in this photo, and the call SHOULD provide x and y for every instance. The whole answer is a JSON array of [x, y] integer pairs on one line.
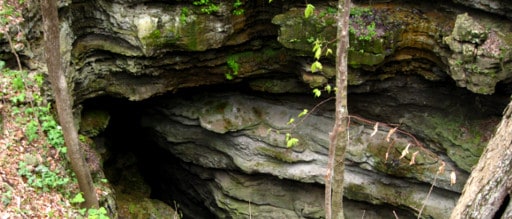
[[94, 122], [463, 139], [373, 35], [136, 207]]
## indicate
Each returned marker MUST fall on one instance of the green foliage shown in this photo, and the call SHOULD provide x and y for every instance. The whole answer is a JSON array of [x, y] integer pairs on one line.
[[291, 141], [7, 196], [316, 66], [42, 177], [207, 6], [39, 79], [92, 213], [233, 66], [32, 130], [331, 10], [237, 8], [183, 15], [360, 25], [303, 113], [53, 131], [18, 83], [370, 32], [77, 199], [310, 9], [100, 213], [317, 92], [359, 11], [328, 88]]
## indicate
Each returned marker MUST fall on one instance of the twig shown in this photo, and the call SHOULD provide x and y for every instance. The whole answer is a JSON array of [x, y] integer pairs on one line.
[[310, 112], [394, 213], [13, 50], [428, 195]]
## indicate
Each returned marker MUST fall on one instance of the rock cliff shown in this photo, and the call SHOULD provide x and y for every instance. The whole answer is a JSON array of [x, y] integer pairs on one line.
[[199, 97]]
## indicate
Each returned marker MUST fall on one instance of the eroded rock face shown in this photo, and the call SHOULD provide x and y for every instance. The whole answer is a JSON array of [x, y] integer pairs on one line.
[[405, 59], [235, 144], [501, 7], [139, 49]]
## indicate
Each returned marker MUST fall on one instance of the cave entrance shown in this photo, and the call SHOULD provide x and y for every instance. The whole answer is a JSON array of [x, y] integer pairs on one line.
[[142, 174], [141, 170]]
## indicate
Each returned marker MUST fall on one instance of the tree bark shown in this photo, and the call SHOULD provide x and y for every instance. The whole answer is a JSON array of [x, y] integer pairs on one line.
[[339, 134], [490, 181], [63, 101]]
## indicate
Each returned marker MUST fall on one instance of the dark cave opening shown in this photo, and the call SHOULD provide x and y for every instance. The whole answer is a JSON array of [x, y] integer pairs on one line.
[[133, 163]]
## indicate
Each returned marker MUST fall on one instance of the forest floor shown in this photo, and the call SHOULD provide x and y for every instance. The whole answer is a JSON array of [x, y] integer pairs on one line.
[[35, 178]]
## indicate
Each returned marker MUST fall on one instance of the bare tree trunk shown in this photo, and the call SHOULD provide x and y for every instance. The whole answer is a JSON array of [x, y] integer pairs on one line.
[[63, 101], [339, 134], [490, 181]]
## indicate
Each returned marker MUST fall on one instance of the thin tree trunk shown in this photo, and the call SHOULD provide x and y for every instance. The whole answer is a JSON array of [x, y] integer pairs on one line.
[[63, 101], [490, 181], [339, 134]]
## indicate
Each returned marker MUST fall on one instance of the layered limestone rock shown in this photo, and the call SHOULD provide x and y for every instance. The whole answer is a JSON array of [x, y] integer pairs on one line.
[[475, 54], [228, 140], [501, 7], [141, 49], [227, 160], [481, 54]]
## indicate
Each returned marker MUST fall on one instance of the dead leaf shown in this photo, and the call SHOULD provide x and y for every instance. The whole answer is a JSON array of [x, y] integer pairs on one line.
[[390, 133], [375, 129], [405, 151], [453, 178], [441, 168], [413, 159]]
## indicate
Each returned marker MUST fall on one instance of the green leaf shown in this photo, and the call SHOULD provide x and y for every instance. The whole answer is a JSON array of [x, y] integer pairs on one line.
[[292, 142], [316, 66], [328, 52], [77, 199], [18, 83], [316, 45], [318, 54], [229, 76], [309, 10], [328, 88], [291, 121], [317, 92], [303, 113], [2, 64]]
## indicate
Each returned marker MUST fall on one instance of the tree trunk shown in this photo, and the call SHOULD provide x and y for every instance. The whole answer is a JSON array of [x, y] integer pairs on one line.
[[63, 101], [339, 134], [490, 182]]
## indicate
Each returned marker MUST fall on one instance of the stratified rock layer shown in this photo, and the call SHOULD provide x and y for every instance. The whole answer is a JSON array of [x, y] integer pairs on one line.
[[225, 152], [235, 144]]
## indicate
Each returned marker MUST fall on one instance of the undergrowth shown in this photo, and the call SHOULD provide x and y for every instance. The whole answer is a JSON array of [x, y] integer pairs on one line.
[[36, 179]]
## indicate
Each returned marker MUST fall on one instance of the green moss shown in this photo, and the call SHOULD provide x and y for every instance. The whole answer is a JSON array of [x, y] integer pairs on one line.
[[460, 136], [130, 206], [94, 122], [158, 38], [357, 192]]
